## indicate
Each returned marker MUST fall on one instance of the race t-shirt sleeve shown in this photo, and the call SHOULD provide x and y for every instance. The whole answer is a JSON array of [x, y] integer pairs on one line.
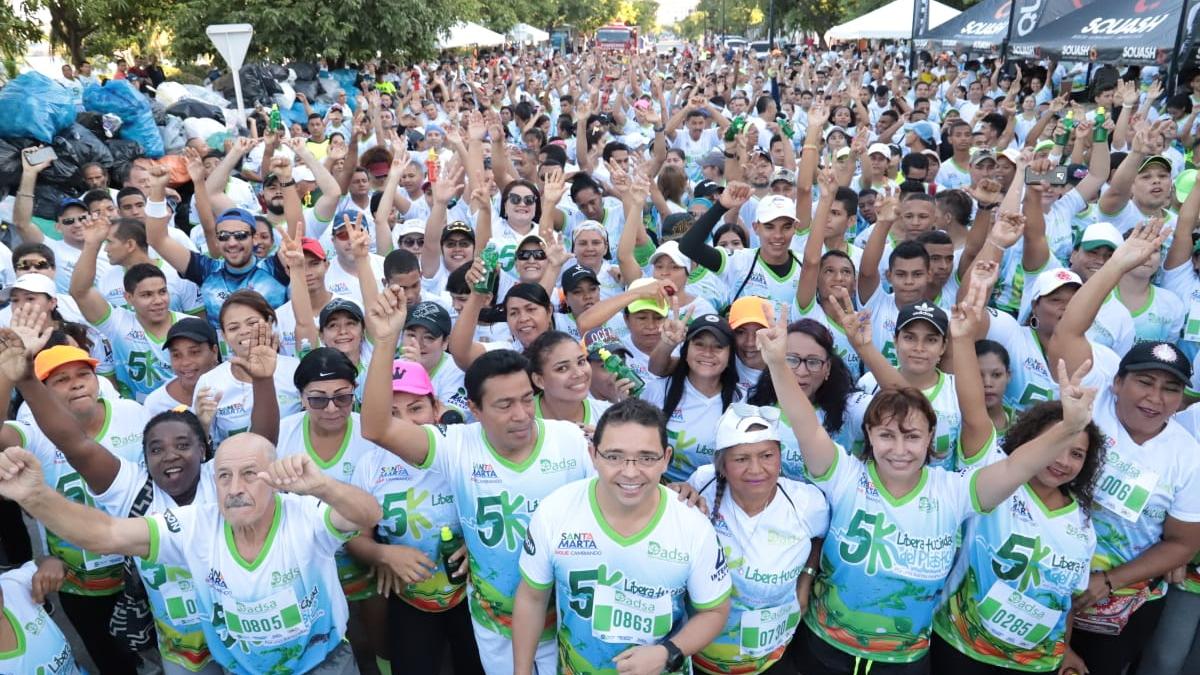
[[815, 514], [117, 500], [708, 582], [443, 438], [170, 532], [536, 563], [327, 537]]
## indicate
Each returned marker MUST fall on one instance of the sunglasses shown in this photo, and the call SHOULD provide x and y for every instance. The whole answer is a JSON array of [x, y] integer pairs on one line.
[[412, 241], [457, 243], [532, 254], [26, 265], [528, 200], [237, 236], [77, 219], [322, 402]]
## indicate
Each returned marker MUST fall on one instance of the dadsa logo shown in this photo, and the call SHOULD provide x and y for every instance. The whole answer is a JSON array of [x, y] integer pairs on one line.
[[660, 552]]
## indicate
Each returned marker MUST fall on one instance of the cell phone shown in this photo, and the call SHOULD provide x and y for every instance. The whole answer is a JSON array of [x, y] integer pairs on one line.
[[1055, 176], [42, 154]]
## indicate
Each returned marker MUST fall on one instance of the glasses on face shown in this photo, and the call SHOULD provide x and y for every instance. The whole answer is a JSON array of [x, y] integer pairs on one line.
[[322, 402], [618, 460], [457, 243], [77, 219], [238, 236], [516, 199], [531, 254], [27, 265], [413, 242], [811, 363]]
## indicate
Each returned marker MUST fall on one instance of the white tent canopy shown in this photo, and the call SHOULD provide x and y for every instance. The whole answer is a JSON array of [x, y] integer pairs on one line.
[[525, 33], [466, 34], [893, 21]]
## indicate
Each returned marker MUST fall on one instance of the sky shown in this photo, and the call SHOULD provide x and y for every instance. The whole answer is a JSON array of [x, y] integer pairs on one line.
[[670, 11]]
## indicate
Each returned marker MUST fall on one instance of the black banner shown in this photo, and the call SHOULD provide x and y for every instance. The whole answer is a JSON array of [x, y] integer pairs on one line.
[[979, 29], [1118, 32]]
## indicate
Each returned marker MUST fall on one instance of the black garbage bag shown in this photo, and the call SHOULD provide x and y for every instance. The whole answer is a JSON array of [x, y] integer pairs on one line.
[[124, 151], [159, 111], [10, 163], [75, 147], [190, 107], [310, 88], [47, 196], [258, 86], [305, 71], [277, 71], [93, 122]]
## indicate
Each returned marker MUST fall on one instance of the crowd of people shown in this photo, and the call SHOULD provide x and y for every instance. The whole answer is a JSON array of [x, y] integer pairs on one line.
[[621, 363]]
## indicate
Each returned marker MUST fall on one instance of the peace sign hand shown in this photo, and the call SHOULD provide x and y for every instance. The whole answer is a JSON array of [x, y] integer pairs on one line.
[[772, 340], [291, 250], [674, 328], [1076, 399], [857, 324]]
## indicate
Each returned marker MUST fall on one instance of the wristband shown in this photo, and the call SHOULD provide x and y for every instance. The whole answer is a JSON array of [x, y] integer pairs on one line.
[[290, 183], [157, 209], [809, 571], [730, 155], [26, 194], [659, 130]]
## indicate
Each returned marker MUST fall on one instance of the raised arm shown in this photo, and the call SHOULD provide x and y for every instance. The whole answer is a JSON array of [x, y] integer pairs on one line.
[[965, 323], [694, 243], [1120, 188], [810, 270], [330, 191], [259, 364], [1037, 250], [23, 207], [1180, 252], [441, 193], [385, 321], [157, 218], [91, 301], [868, 269], [204, 209], [857, 325]]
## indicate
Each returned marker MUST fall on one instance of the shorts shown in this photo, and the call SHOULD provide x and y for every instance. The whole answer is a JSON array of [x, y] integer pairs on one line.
[[495, 652]]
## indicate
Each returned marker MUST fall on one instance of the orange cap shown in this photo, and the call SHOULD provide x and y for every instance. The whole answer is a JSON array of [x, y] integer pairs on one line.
[[48, 360], [750, 309]]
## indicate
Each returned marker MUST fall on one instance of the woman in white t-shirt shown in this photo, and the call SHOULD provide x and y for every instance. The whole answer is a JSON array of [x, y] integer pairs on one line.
[[560, 372]]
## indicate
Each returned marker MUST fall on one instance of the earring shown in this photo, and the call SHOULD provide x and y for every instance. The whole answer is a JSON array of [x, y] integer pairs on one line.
[[1033, 322]]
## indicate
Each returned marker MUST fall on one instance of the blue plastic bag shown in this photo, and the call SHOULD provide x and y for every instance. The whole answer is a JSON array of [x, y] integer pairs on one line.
[[32, 105], [121, 99]]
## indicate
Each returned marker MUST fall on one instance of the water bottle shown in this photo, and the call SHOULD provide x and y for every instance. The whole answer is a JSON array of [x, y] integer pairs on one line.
[[276, 122], [735, 128], [446, 547], [621, 370], [491, 259], [1099, 133], [1068, 125], [431, 166]]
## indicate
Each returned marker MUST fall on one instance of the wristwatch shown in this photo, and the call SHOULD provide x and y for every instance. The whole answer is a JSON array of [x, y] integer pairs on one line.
[[674, 656]]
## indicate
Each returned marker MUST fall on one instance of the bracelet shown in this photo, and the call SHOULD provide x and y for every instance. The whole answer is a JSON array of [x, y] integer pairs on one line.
[[989, 207], [290, 183], [810, 147], [1107, 581], [730, 155], [659, 130], [157, 209], [809, 571], [26, 194]]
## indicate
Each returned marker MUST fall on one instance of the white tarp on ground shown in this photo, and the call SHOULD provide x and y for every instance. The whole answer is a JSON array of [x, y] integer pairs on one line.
[[893, 21], [466, 34], [526, 34]]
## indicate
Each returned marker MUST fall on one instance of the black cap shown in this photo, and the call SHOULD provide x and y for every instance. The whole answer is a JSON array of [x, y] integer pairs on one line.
[[603, 338], [323, 364], [1157, 356], [710, 323], [576, 274], [430, 315], [340, 305], [676, 225], [458, 227], [923, 311], [706, 189], [194, 329]]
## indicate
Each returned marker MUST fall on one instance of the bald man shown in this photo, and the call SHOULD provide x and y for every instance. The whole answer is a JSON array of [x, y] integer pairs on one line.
[[262, 558]]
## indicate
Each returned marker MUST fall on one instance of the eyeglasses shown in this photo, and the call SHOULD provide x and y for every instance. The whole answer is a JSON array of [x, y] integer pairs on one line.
[[415, 242], [238, 236], [618, 460], [457, 243], [26, 265], [322, 402], [528, 200], [812, 363], [71, 221], [531, 254]]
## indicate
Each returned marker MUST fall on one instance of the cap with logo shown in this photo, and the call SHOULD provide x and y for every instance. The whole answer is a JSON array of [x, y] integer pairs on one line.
[[982, 156], [458, 227], [410, 377], [322, 365], [774, 206], [575, 275], [734, 427], [923, 311], [1155, 159], [1162, 356], [340, 305], [750, 309], [657, 305], [603, 338], [783, 175], [706, 189], [1100, 235], [713, 325], [49, 360], [430, 316], [1048, 282]]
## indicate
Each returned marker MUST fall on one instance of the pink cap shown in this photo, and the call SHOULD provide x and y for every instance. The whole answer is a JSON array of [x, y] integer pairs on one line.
[[410, 377]]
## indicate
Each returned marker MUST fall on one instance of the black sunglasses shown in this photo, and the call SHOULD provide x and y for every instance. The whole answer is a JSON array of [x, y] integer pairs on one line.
[[26, 265], [239, 236], [531, 254], [516, 199], [72, 221], [322, 402]]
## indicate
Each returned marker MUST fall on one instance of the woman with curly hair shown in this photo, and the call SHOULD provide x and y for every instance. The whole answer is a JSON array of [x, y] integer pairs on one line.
[[823, 377], [1009, 608]]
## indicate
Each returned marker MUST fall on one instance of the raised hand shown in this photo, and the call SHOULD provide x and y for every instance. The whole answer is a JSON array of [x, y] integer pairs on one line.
[[1076, 399], [33, 327], [296, 474], [966, 317], [987, 191], [20, 474], [360, 239], [96, 229], [984, 274], [554, 187], [674, 327], [385, 318], [1007, 229], [261, 354], [772, 340], [195, 165], [37, 168], [734, 195], [1140, 244], [857, 324], [888, 208], [14, 358]]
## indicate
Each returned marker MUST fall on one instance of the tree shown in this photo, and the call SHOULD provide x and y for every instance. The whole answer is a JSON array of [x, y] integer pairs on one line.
[[75, 24], [640, 13], [309, 29], [817, 16], [16, 32]]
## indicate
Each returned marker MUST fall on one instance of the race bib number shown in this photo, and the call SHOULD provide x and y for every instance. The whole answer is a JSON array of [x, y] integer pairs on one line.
[[271, 621], [765, 630], [1016, 618], [1125, 488], [1191, 330], [621, 617], [180, 599]]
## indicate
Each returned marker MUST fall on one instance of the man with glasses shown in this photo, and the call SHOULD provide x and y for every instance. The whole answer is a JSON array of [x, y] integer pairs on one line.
[[69, 222], [341, 278], [237, 269], [499, 469], [620, 555]]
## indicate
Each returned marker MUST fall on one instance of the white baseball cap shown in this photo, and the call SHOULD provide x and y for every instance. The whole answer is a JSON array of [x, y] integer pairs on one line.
[[881, 149], [34, 283], [1101, 234], [671, 250], [774, 206], [734, 426], [411, 226]]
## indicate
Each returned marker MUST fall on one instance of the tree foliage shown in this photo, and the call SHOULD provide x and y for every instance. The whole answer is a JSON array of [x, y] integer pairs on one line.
[[16, 32], [87, 27]]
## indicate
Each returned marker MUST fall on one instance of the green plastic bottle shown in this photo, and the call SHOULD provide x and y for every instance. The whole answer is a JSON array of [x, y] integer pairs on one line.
[[276, 121], [1068, 125], [446, 547], [620, 370], [735, 128], [491, 260], [1099, 133]]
